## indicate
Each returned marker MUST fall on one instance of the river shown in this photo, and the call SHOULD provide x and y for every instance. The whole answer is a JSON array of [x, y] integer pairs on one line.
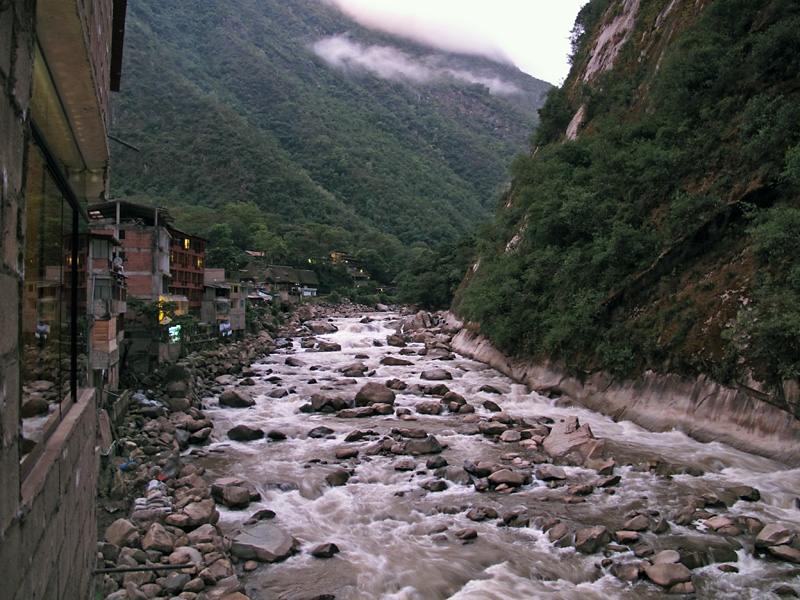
[[400, 541]]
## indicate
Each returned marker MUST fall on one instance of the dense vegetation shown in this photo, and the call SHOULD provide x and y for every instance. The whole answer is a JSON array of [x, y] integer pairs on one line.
[[666, 235], [255, 142]]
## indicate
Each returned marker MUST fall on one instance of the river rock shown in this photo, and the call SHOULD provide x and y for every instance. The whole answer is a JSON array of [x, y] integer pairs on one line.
[[625, 571], [235, 399], [396, 384], [405, 464], [325, 550], [510, 436], [435, 485], [436, 375], [185, 555], [245, 433], [590, 540], [264, 542], [773, 535], [229, 588], [492, 428], [200, 513], [550, 473], [395, 340], [507, 477], [668, 557], [567, 436], [34, 406], [158, 539], [455, 474], [436, 462], [345, 453], [324, 346], [637, 523], [481, 513], [293, 361], [321, 327], [320, 432], [746, 493], [374, 393], [119, 532], [226, 379], [492, 406], [429, 445], [667, 574], [429, 408], [361, 412], [337, 477], [786, 553], [466, 534], [393, 361]]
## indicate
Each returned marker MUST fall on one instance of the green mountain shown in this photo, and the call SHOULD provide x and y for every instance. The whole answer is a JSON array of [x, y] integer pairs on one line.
[[657, 224], [286, 127]]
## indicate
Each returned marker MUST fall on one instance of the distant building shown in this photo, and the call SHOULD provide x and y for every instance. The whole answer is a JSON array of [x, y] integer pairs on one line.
[[187, 255], [143, 232], [290, 285], [224, 303], [104, 298]]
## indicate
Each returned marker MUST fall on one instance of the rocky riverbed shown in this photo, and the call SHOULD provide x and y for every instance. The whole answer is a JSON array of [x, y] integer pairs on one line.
[[358, 457]]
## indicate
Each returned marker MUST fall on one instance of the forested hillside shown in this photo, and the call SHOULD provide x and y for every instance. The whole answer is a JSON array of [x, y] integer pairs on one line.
[[656, 224], [284, 127]]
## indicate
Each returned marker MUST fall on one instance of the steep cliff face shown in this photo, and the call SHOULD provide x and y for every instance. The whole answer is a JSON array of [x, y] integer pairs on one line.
[[654, 229]]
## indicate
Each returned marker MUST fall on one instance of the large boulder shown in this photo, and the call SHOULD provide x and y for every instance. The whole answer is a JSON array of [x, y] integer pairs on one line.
[[590, 540], [263, 542], [374, 393], [158, 539], [245, 433], [119, 532], [567, 436], [436, 375], [394, 361], [428, 445], [235, 399], [773, 535], [507, 477], [667, 574], [321, 327]]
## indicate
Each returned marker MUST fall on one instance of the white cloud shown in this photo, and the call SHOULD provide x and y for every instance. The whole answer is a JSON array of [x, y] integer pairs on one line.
[[390, 63], [532, 34]]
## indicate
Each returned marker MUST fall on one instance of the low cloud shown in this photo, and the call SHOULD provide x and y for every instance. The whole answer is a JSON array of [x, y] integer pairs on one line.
[[343, 53]]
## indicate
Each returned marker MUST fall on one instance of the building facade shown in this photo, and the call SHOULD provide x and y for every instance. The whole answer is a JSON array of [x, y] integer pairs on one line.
[[59, 61]]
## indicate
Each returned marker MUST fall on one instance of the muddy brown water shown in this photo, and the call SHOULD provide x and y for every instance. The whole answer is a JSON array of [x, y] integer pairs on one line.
[[398, 541]]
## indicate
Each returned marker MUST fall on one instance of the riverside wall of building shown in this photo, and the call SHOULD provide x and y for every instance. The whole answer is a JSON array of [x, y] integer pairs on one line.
[[47, 519]]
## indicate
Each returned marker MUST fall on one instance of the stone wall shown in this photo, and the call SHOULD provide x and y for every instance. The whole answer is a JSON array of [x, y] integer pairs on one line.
[[702, 409]]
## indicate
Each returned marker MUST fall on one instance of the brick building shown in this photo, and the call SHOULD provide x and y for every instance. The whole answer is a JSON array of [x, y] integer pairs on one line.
[[187, 255], [59, 61]]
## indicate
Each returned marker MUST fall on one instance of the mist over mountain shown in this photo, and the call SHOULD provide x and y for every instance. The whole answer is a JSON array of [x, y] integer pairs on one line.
[[322, 133]]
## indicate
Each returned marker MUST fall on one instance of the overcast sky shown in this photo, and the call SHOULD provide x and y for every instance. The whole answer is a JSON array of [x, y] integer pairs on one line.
[[532, 34]]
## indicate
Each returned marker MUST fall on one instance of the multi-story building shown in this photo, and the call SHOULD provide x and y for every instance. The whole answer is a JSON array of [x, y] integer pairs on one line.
[[187, 262], [143, 233], [224, 302], [59, 61]]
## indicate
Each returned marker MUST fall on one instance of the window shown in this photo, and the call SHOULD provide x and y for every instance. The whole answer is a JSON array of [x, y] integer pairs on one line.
[[52, 336]]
